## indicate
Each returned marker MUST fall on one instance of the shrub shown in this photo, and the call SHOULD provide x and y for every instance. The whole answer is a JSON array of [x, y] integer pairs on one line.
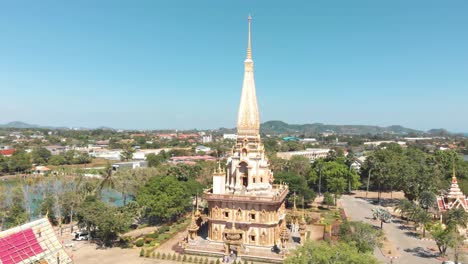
[[153, 254], [148, 240], [153, 235], [142, 252], [179, 258], [163, 229], [148, 253], [195, 260], [158, 256], [212, 262], [125, 242], [184, 258], [163, 256], [190, 259], [174, 257], [206, 261], [218, 262], [139, 243]]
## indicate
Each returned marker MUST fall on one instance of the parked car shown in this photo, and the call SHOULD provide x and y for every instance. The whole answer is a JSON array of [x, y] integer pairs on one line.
[[80, 235]]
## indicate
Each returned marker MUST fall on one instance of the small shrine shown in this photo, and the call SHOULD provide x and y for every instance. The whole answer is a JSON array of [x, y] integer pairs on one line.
[[453, 198]]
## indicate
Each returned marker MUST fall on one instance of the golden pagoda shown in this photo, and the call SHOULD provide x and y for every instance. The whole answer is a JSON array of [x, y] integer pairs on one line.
[[245, 192]]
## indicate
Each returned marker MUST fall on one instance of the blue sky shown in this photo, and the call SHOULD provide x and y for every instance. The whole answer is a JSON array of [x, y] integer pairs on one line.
[[179, 64]]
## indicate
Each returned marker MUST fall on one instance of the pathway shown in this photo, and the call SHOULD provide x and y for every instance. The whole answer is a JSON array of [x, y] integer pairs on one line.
[[412, 249]]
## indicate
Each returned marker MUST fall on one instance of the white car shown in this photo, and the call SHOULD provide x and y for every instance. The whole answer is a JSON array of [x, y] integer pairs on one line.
[[80, 235]]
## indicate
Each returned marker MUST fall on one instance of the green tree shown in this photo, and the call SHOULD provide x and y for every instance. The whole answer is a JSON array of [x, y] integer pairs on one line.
[[40, 156], [427, 200], [127, 152], [17, 214], [106, 221], [297, 184], [328, 199], [154, 160], [20, 161], [57, 160], [364, 236], [336, 186], [164, 197], [325, 253]]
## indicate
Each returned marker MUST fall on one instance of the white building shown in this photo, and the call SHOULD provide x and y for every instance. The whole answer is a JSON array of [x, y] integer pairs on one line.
[[378, 143], [230, 136], [106, 154], [207, 139], [310, 153], [204, 149]]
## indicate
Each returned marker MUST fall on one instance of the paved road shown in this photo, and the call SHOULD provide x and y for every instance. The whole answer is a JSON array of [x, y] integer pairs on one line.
[[412, 249]]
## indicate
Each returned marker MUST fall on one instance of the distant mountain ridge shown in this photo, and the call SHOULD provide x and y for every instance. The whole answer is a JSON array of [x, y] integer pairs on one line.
[[280, 127]]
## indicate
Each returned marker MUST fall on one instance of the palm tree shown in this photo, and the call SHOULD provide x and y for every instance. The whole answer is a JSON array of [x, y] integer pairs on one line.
[[423, 217], [427, 200], [108, 180], [350, 159], [457, 217], [405, 207]]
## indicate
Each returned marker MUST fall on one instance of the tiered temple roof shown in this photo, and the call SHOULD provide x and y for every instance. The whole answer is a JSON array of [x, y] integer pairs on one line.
[[34, 242], [454, 197]]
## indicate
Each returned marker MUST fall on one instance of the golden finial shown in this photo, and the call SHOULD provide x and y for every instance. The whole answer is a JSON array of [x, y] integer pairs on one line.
[[454, 174], [295, 208], [249, 44]]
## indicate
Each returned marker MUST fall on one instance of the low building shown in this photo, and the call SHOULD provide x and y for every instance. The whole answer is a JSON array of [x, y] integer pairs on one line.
[[129, 165], [378, 143], [191, 159], [56, 149], [7, 152], [310, 153], [41, 170], [34, 242], [203, 149], [230, 136], [106, 154]]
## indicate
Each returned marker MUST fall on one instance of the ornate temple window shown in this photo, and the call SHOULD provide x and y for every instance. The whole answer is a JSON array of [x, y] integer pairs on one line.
[[215, 233], [252, 238], [244, 173], [239, 214], [253, 216], [215, 213], [263, 238], [244, 152], [226, 214]]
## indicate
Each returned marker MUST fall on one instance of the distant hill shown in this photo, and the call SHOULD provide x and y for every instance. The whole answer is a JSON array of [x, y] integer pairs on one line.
[[18, 124], [279, 127]]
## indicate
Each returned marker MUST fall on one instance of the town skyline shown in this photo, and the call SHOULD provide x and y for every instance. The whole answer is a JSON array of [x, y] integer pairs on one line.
[[115, 67]]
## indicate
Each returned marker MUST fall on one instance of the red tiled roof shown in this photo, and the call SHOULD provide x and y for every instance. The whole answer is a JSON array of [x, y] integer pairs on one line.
[[19, 246], [7, 152]]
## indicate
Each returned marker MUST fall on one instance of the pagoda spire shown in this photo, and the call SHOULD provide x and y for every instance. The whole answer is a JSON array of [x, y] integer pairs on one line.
[[249, 43], [248, 120], [454, 174]]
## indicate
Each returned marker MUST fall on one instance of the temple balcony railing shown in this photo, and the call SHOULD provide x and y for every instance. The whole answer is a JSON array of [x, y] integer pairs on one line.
[[279, 195]]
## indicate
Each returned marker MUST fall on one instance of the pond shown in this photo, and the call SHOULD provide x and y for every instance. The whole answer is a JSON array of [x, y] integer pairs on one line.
[[34, 194]]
